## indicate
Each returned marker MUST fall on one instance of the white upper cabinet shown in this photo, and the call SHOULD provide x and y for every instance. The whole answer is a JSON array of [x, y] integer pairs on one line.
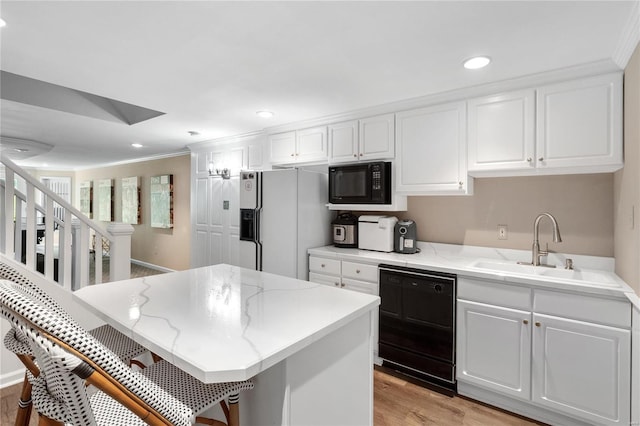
[[502, 132], [579, 124], [343, 142], [301, 146], [377, 137], [569, 127], [368, 139], [282, 148], [431, 154]]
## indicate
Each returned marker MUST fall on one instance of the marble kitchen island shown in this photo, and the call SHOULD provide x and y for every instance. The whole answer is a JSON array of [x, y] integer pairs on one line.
[[306, 346]]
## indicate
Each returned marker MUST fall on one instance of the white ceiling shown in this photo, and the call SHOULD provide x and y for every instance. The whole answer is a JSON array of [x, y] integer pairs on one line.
[[211, 65]]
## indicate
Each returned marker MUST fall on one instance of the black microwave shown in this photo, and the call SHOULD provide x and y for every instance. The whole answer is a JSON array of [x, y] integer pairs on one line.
[[363, 183]]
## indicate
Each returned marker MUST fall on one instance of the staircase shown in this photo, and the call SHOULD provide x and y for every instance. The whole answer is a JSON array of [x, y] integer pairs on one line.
[[73, 246]]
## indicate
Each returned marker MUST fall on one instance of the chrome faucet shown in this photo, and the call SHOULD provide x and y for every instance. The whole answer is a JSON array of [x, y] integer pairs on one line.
[[536, 253]]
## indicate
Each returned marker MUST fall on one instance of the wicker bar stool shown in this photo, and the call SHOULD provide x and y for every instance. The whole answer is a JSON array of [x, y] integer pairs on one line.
[[68, 357], [124, 347]]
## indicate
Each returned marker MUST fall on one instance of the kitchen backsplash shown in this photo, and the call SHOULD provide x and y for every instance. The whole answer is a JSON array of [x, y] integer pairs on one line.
[[582, 205]]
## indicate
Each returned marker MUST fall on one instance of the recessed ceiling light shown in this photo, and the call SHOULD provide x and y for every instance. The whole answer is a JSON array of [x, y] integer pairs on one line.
[[136, 145], [2, 23], [477, 62], [265, 114]]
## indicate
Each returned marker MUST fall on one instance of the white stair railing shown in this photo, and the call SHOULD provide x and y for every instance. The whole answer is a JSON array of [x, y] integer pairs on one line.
[[71, 243]]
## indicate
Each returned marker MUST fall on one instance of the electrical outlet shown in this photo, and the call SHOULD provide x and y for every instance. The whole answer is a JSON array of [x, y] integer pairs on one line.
[[502, 232]]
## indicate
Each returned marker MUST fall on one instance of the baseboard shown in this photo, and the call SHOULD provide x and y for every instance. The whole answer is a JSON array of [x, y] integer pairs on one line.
[[515, 406], [152, 266], [11, 378]]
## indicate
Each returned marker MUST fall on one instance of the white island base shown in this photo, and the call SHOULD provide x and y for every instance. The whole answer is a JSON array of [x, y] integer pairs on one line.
[[330, 382]]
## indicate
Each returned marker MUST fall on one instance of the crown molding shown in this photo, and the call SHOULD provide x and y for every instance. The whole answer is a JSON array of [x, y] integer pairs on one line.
[[629, 39], [211, 143], [133, 160], [533, 80]]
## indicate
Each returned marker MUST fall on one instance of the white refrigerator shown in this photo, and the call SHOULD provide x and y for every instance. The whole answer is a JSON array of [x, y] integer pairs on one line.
[[283, 213]]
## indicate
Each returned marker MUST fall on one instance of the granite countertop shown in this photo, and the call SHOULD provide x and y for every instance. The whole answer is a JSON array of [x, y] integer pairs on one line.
[[224, 323], [591, 274]]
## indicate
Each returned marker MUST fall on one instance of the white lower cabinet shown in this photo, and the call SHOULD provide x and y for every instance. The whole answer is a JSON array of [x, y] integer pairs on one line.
[[582, 369], [536, 347], [494, 348], [355, 276]]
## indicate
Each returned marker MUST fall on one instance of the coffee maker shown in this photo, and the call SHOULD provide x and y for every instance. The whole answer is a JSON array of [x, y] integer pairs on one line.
[[345, 230]]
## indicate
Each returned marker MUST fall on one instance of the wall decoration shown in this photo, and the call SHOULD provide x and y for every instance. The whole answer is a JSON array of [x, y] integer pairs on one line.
[[131, 206], [105, 200], [86, 198], [162, 201]]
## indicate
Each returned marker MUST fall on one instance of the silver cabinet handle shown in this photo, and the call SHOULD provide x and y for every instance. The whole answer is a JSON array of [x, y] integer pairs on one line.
[[460, 184], [337, 284], [342, 285], [541, 159], [528, 159], [537, 324], [322, 265], [360, 154], [357, 271], [525, 321], [355, 155]]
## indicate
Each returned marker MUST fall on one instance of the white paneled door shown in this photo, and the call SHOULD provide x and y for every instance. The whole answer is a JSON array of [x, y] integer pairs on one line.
[[216, 216]]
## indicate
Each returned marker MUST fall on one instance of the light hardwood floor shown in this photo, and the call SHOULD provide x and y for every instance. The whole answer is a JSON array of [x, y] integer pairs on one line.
[[396, 402]]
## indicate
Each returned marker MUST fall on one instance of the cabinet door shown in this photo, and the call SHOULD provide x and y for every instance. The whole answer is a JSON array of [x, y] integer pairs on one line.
[[333, 281], [377, 137], [359, 286], [582, 369], [501, 132], [311, 144], [282, 148], [343, 142], [431, 152], [494, 348], [255, 161], [580, 124]]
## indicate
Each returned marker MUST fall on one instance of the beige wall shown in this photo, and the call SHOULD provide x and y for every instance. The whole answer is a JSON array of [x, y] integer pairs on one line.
[[627, 182], [582, 205], [169, 248]]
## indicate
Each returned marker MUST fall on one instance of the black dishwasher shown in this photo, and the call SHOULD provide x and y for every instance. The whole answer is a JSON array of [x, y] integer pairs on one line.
[[417, 324]]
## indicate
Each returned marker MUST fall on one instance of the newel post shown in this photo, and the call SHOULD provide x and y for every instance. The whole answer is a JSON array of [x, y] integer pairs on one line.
[[120, 251]]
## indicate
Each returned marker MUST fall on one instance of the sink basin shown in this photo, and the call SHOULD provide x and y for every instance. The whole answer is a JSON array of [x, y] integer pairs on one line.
[[505, 267], [598, 277]]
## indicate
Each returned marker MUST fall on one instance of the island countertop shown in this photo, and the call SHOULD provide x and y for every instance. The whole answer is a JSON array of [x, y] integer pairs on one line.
[[224, 323]]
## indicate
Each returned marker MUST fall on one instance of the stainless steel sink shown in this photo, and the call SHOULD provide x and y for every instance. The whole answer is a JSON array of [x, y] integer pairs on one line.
[[505, 267], [591, 276], [598, 277]]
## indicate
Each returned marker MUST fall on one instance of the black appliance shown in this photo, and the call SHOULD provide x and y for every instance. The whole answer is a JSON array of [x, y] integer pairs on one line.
[[417, 324], [345, 230], [363, 183], [405, 237]]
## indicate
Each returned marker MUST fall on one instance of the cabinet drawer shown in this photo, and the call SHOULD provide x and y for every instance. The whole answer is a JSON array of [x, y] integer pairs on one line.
[[616, 313], [360, 271], [507, 295], [324, 266]]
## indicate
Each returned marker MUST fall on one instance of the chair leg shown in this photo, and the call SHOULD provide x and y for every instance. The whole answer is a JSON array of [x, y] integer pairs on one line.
[[24, 404], [234, 410]]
